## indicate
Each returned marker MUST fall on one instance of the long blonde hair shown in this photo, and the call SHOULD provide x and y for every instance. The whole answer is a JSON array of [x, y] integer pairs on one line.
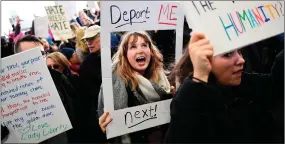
[[124, 70], [60, 59], [80, 43], [75, 27]]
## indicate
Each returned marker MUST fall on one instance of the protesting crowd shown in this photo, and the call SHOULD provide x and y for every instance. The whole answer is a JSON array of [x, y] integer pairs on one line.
[[234, 97]]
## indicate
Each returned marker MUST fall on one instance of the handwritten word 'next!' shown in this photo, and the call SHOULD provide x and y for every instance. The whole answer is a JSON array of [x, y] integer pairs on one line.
[[139, 117], [133, 16]]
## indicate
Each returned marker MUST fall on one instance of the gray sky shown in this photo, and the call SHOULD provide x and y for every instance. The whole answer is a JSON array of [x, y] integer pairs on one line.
[[26, 11]]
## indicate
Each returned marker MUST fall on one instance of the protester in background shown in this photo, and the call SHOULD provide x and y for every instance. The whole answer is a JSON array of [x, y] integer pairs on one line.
[[6, 48], [74, 27], [57, 61], [73, 59], [67, 43], [86, 21], [32, 30], [70, 43], [97, 21], [4, 133], [115, 42], [261, 55], [92, 38], [90, 79], [137, 66], [63, 86], [48, 49], [165, 41], [223, 104], [81, 47], [17, 28], [79, 22]]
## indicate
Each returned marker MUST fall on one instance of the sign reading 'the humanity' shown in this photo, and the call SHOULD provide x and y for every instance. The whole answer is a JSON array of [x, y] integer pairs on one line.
[[230, 25]]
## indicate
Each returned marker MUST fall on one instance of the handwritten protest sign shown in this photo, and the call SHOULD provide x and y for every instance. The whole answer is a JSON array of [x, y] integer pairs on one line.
[[58, 22], [30, 105], [41, 27], [69, 7], [92, 5], [231, 25], [136, 16], [24, 20]]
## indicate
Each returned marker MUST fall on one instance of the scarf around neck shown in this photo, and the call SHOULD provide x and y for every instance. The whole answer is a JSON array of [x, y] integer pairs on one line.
[[152, 91]]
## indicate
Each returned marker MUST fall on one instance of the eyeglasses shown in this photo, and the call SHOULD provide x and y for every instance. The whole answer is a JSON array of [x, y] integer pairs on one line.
[[90, 39], [55, 66]]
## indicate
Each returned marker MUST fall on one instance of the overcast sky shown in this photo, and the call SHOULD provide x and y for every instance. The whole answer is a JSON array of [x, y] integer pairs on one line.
[[26, 11]]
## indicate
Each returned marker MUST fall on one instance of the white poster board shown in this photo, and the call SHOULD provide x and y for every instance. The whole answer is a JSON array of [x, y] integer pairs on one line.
[[58, 22], [136, 16], [41, 27], [230, 25], [30, 105], [25, 22], [69, 7], [93, 5]]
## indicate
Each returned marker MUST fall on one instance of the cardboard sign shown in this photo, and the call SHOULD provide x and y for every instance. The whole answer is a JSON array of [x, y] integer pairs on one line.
[[136, 16], [230, 25], [58, 22], [25, 22], [41, 27], [30, 105], [92, 5], [69, 7]]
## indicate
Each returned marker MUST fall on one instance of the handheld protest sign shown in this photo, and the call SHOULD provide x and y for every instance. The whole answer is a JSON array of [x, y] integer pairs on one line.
[[136, 16], [230, 25], [69, 7], [58, 22], [41, 27], [30, 105]]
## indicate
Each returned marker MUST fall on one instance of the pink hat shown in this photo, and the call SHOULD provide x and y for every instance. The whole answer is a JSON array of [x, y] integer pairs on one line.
[[11, 35], [18, 37]]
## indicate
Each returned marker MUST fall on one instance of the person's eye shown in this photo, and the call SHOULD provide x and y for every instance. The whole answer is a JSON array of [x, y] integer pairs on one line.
[[144, 45], [227, 55], [132, 47]]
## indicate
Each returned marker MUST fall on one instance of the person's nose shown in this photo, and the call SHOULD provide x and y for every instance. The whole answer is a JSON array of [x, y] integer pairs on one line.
[[240, 59], [89, 42], [140, 49]]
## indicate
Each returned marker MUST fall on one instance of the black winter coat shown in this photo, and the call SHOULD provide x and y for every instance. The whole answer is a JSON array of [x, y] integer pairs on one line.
[[90, 79], [211, 113], [66, 93]]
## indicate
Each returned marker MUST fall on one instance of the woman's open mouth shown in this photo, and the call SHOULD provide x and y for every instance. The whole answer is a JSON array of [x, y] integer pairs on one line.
[[141, 60]]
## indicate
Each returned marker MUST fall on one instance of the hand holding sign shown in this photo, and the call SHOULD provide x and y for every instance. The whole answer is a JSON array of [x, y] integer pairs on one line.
[[104, 120], [237, 24], [200, 51], [136, 17]]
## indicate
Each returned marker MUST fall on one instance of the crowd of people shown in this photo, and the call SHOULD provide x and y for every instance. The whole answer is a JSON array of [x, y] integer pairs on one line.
[[215, 99]]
